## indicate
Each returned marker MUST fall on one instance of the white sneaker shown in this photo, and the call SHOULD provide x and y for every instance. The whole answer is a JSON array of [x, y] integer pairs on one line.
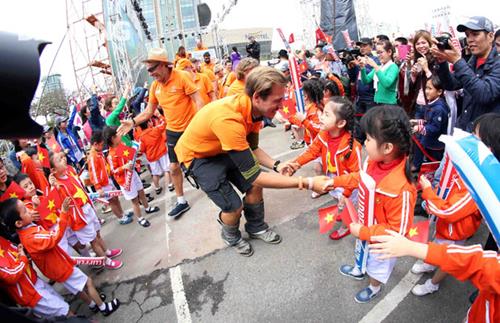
[[422, 267], [426, 288]]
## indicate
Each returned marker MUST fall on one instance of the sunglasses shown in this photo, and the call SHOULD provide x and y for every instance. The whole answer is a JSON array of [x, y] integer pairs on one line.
[[153, 68]]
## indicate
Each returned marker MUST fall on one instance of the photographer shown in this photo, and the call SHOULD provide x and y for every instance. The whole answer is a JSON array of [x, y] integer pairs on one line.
[[364, 91], [479, 78]]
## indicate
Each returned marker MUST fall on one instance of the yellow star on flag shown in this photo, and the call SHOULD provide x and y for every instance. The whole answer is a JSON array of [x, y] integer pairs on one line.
[[80, 194], [285, 109], [41, 157], [329, 218], [1, 252], [28, 271], [126, 153], [52, 217], [413, 232], [51, 204], [13, 196]]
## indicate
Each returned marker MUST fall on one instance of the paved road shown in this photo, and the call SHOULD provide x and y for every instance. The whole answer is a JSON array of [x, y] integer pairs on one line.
[[180, 271]]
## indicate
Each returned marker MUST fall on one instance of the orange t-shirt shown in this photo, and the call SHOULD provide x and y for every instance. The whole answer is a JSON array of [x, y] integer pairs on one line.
[[204, 87], [219, 127], [210, 73], [174, 98], [237, 87], [209, 66], [153, 142]]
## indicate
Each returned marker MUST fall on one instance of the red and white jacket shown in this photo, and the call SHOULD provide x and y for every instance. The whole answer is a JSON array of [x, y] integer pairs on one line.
[[458, 217], [44, 250], [17, 276], [481, 267]]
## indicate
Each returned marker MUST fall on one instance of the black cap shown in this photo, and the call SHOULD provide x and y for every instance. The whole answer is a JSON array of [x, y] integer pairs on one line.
[[477, 23], [364, 41], [206, 54]]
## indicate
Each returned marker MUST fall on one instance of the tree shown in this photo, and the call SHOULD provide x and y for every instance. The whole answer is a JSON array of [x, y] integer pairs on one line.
[[50, 103]]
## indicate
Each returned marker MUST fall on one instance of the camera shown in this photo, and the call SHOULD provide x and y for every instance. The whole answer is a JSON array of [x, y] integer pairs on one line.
[[443, 42], [349, 55]]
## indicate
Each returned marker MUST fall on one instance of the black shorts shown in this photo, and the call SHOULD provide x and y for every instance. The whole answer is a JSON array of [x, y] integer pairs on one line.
[[172, 139], [215, 175]]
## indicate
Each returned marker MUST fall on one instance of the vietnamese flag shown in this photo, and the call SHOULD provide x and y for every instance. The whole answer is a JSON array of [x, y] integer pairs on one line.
[[303, 67], [291, 38], [49, 208], [43, 156], [288, 108], [428, 170], [349, 213], [14, 191], [125, 151], [53, 145], [419, 232], [327, 217]]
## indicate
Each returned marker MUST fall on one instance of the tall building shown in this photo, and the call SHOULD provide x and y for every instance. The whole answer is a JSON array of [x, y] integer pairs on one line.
[[133, 27], [52, 83]]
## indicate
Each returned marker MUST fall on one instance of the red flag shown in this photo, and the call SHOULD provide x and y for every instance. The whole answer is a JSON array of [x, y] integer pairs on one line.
[[303, 67], [288, 108], [53, 145], [428, 170], [419, 232], [43, 156], [320, 35], [49, 208], [291, 39], [327, 217], [349, 213], [329, 39], [13, 191], [125, 151]]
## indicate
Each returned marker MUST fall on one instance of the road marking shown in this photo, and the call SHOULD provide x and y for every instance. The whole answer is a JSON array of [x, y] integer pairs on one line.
[[180, 301], [385, 307]]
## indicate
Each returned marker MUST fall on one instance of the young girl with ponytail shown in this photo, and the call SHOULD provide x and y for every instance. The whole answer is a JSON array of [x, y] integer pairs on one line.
[[340, 153], [386, 193]]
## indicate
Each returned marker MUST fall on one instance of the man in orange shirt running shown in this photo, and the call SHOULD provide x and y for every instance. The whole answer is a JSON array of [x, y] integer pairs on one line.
[[220, 148], [178, 96]]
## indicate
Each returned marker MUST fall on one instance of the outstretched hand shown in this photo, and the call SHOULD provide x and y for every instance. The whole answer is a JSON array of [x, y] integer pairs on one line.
[[391, 245], [125, 127], [288, 168]]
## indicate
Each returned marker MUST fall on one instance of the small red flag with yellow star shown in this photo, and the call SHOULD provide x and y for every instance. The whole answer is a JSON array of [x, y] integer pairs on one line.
[[419, 232], [327, 217], [13, 191], [125, 151], [49, 208]]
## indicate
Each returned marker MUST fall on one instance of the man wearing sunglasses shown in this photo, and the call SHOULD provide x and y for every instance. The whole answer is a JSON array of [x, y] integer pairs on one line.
[[178, 96]]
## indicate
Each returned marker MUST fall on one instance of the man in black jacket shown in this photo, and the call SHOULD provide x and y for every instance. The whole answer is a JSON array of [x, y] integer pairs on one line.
[[253, 48]]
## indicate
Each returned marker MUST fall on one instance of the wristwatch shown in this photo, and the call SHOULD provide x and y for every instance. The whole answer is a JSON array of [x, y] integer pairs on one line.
[[275, 166]]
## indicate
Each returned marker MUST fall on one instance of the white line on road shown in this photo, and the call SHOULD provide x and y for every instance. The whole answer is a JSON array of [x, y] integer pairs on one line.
[[180, 301], [383, 308]]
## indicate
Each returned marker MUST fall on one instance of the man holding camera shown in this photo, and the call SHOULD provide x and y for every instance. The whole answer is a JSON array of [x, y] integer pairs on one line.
[[479, 77], [364, 92]]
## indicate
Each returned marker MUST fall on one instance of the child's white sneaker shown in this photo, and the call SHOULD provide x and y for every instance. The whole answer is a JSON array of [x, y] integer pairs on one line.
[[426, 288], [422, 267]]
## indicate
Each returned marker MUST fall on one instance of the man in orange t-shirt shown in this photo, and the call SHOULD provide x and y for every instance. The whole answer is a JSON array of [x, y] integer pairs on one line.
[[205, 87], [220, 148], [244, 68], [178, 96]]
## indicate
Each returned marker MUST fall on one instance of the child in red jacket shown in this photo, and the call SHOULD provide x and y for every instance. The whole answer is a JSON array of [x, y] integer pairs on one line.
[[340, 153], [472, 263], [458, 219], [20, 281], [52, 260], [153, 144]]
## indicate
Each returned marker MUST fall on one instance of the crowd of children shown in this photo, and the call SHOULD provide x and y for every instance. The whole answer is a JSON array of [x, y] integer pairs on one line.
[[47, 212]]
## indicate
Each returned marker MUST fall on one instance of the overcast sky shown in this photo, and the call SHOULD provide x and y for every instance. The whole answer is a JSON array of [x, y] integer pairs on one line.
[[46, 19]]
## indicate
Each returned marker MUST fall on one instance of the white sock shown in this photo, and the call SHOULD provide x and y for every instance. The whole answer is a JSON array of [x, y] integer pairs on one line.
[[85, 252], [92, 303], [374, 289], [102, 307], [108, 252], [108, 261], [140, 219], [181, 200]]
